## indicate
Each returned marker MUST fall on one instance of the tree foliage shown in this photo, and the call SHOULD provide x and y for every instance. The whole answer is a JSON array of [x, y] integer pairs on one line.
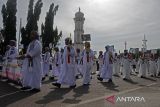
[[9, 21], [32, 21], [49, 34]]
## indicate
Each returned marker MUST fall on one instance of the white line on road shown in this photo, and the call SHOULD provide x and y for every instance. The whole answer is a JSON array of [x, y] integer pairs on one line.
[[10, 94], [103, 97]]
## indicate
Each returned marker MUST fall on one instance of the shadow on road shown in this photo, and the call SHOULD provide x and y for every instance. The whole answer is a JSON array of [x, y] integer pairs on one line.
[[79, 91], [56, 94], [10, 94], [110, 86], [131, 82], [146, 78]]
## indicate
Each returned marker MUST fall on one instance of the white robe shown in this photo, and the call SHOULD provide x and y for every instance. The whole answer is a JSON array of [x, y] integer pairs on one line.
[[158, 66], [86, 67], [137, 66], [94, 67], [152, 68], [126, 68], [13, 53], [107, 69], [67, 73], [100, 61], [32, 77], [133, 64], [78, 64], [46, 63], [5, 66], [121, 67], [56, 61], [116, 66], [143, 68]]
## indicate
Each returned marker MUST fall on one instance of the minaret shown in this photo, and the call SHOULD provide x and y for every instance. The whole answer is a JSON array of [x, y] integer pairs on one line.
[[79, 22], [144, 44], [125, 45]]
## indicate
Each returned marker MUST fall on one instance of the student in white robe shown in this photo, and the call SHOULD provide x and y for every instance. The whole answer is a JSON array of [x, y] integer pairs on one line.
[[133, 64], [94, 67], [106, 74], [121, 67], [12, 60], [100, 62], [158, 66], [5, 58], [126, 67], [152, 66], [116, 65], [143, 67], [137, 65], [32, 65], [56, 63], [87, 59], [79, 72], [46, 63], [67, 74]]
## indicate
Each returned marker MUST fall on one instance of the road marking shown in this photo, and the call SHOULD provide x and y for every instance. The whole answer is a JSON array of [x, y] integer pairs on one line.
[[10, 94], [103, 97]]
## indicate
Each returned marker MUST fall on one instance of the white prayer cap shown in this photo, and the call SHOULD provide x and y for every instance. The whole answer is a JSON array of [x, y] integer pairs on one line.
[[12, 42]]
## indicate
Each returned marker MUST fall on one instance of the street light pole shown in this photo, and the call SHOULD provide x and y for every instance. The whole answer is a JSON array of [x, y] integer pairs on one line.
[[19, 33]]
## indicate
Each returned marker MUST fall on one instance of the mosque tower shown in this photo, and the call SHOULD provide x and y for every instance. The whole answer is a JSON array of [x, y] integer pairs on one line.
[[78, 32], [144, 44]]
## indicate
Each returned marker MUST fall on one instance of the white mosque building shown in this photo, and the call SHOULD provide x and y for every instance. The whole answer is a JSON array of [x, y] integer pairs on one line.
[[79, 31]]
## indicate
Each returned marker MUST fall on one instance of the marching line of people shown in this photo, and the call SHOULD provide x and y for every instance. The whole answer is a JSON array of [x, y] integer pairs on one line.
[[68, 64]]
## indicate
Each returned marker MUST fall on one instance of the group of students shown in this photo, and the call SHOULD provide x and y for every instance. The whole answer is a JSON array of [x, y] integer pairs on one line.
[[144, 66], [68, 63]]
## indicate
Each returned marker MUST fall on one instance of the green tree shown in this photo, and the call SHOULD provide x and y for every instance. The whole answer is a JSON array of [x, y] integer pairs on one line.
[[50, 35], [9, 21], [32, 22], [4, 15]]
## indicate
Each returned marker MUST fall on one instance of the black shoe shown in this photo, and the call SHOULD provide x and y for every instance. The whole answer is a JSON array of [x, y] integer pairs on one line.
[[35, 90], [43, 78], [125, 79], [142, 77], [100, 79], [51, 78], [110, 80], [57, 85], [77, 77], [46, 75], [72, 86], [152, 76], [25, 88]]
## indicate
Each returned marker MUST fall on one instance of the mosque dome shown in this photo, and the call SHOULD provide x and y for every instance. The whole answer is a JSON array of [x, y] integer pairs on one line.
[[79, 13]]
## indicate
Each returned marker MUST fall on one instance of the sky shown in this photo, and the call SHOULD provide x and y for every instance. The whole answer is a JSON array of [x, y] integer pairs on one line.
[[110, 22]]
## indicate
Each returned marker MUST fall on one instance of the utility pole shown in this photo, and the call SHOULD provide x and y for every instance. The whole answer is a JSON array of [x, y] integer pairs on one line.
[[19, 33]]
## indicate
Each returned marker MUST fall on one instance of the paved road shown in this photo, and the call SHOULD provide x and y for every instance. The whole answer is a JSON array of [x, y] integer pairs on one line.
[[84, 96]]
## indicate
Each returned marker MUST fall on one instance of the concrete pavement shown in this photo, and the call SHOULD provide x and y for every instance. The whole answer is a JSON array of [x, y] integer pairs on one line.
[[84, 96]]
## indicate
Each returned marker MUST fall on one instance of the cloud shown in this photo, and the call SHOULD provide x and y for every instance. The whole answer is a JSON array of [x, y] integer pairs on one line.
[[108, 21]]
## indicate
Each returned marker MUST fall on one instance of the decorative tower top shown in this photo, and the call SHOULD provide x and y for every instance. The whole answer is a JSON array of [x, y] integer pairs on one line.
[[79, 14], [144, 44]]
